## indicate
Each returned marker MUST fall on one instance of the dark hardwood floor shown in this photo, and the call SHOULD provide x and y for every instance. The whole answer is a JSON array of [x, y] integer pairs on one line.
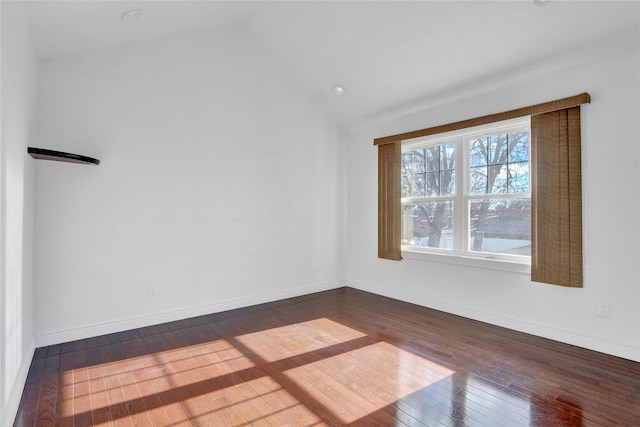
[[342, 357]]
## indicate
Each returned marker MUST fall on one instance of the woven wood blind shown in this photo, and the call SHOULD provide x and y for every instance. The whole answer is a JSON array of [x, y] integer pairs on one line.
[[556, 198], [389, 209]]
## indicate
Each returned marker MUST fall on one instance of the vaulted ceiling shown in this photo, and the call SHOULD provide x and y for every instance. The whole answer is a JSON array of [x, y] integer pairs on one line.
[[389, 55]]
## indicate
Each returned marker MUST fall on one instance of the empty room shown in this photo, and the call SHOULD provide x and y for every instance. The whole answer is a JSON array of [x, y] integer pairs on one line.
[[320, 213]]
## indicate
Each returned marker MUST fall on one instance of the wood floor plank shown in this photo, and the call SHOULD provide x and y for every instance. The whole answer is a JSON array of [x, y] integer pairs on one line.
[[49, 392], [98, 388], [27, 410], [118, 408]]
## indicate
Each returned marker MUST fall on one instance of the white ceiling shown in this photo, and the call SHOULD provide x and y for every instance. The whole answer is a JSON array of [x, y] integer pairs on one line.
[[390, 55]]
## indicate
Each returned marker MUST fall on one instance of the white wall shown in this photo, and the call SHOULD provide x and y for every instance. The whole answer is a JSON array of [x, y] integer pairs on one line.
[[612, 234], [221, 184], [16, 213]]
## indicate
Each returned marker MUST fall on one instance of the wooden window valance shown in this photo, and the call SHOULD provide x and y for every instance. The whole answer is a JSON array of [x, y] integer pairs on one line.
[[546, 107]]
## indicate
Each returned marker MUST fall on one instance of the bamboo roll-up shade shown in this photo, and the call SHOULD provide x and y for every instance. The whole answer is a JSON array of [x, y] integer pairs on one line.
[[556, 198], [546, 107], [389, 209]]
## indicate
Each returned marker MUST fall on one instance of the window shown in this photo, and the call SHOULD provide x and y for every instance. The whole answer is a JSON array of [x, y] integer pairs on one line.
[[468, 192], [553, 175]]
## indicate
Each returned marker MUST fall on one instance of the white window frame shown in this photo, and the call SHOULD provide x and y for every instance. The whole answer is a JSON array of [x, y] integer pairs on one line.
[[460, 254]]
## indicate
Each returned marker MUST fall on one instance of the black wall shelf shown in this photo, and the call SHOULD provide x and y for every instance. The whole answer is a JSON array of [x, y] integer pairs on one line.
[[60, 156]]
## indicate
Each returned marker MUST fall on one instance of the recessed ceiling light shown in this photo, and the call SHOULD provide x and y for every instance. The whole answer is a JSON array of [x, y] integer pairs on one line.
[[339, 90], [132, 15], [541, 3]]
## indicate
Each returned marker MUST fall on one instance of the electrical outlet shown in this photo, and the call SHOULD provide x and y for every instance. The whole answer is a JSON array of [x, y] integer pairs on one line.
[[151, 290], [603, 309]]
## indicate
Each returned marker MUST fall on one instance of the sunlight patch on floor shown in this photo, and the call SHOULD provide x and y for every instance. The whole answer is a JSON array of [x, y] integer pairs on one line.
[[358, 383], [279, 375], [293, 340], [97, 387]]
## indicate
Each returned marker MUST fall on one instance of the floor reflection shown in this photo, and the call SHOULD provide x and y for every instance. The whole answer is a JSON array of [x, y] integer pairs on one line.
[[364, 381]]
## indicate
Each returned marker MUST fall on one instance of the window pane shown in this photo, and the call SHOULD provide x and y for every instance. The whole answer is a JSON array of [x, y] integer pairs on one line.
[[432, 159], [432, 184], [500, 226], [428, 224], [518, 177], [447, 183], [478, 152], [519, 146], [497, 180], [413, 161], [447, 157], [497, 149], [413, 165], [413, 185], [478, 184], [407, 162]]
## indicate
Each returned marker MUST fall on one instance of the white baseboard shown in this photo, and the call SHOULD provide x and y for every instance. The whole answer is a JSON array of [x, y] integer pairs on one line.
[[567, 337], [11, 410], [170, 316]]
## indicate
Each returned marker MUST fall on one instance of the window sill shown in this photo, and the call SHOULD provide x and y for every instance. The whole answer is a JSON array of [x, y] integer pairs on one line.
[[492, 264]]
